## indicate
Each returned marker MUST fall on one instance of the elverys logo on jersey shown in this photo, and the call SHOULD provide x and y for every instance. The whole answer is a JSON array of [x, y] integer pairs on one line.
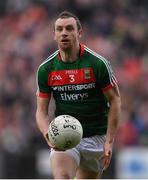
[[65, 77]]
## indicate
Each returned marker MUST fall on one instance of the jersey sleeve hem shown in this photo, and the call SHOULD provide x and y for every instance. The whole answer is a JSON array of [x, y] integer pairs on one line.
[[43, 95], [107, 88]]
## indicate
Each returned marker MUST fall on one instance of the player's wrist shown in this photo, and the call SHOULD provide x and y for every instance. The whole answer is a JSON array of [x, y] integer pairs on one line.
[[47, 139], [45, 134], [110, 140]]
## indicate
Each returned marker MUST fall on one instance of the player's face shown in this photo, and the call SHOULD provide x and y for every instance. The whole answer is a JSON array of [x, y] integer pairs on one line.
[[66, 33]]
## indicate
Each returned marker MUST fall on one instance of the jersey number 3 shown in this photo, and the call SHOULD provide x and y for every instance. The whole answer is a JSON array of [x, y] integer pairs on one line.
[[71, 78]]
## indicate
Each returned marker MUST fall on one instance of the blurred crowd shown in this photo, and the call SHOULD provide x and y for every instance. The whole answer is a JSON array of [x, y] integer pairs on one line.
[[117, 29]]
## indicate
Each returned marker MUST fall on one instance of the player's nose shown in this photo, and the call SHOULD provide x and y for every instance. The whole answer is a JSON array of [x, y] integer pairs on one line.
[[64, 32]]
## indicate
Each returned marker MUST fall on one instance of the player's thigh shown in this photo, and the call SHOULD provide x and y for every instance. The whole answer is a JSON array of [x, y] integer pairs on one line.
[[63, 164], [87, 174]]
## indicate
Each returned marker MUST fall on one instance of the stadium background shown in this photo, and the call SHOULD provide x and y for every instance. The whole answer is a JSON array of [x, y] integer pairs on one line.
[[116, 29]]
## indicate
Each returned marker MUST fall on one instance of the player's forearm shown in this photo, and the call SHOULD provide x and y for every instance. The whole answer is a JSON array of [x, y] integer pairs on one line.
[[42, 122], [113, 119]]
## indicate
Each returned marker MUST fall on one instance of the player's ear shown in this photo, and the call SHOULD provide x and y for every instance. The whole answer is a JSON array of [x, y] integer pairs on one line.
[[80, 33], [54, 35], [53, 32]]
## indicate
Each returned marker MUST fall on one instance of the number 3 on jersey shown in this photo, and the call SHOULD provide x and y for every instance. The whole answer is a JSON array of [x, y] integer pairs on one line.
[[71, 78]]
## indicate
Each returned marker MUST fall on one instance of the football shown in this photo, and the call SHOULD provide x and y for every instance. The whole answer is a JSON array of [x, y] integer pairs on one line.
[[65, 132]]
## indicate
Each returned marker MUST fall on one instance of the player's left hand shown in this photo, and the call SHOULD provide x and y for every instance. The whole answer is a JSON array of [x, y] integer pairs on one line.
[[107, 154]]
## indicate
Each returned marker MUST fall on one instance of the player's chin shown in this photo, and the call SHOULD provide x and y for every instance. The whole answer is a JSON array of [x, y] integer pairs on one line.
[[65, 46]]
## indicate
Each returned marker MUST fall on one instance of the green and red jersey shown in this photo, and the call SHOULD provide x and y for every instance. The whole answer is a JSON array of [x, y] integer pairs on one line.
[[78, 88]]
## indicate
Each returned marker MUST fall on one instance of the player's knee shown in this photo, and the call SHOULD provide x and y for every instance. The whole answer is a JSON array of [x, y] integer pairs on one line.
[[62, 175]]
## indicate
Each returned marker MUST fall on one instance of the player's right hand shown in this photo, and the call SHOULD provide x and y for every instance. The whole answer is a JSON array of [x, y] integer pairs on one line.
[[48, 142]]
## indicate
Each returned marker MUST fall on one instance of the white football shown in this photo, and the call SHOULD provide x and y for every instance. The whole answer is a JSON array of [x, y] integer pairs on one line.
[[65, 132]]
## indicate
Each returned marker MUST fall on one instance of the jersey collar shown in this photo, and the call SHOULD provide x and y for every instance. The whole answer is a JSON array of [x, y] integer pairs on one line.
[[80, 53]]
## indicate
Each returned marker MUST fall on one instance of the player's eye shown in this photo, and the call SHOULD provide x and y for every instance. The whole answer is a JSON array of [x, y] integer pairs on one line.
[[59, 28], [69, 28]]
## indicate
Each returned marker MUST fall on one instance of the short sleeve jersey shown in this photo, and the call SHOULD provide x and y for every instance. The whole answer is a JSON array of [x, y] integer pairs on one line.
[[78, 88]]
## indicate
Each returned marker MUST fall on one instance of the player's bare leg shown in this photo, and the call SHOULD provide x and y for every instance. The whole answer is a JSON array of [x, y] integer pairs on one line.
[[86, 174], [63, 165]]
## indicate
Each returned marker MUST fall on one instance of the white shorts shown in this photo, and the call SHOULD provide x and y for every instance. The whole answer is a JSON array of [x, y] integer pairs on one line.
[[87, 153]]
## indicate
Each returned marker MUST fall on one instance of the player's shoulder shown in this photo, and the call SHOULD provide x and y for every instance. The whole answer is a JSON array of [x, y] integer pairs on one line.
[[94, 56], [49, 59]]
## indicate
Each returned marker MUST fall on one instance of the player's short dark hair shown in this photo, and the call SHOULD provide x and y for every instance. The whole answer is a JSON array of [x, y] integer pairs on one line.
[[67, 14]]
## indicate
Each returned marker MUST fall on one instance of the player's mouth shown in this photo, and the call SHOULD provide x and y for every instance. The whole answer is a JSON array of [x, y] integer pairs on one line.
[[65, 40]]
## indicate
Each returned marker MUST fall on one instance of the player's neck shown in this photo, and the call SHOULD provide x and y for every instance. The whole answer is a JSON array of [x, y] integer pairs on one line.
[[70, 55]]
